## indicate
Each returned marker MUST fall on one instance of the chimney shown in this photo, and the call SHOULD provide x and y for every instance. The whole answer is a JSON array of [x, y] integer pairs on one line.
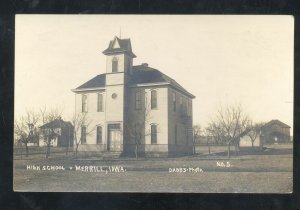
[[145, 64]]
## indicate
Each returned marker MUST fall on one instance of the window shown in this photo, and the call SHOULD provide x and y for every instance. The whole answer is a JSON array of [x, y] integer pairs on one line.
[[137, 134], [83, 135], [99, 135], [185, 106], [153, 134], [175, 134], [100, 103], [114, 64], [186, 136], [174, 102], [84, 103], [189, 108], [181, 106], [128, 66], [138, 100], [114, 127], [153, 99]]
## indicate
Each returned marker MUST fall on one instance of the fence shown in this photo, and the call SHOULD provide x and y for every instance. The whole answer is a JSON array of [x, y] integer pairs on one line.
[[19, 152]]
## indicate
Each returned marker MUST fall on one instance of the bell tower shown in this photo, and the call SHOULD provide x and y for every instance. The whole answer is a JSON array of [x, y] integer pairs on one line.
[[119, 58]]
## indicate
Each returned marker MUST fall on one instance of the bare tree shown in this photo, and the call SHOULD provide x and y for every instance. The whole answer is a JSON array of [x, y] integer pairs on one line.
[[25, 129], [229, 125], [208, 135], [80, 120], [197, 131], [136, 128], [50, 133], [254, 131]]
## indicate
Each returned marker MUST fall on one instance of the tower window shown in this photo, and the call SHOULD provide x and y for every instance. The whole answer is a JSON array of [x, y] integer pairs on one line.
[[114, 64], [99, 135], [153, 134], [153, 99], [84, 103]]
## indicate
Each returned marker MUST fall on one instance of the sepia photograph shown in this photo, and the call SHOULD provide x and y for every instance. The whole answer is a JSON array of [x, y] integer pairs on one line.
[[154, 103]]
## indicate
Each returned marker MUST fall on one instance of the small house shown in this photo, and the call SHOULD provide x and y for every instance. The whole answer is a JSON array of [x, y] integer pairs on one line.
[[64, 131]]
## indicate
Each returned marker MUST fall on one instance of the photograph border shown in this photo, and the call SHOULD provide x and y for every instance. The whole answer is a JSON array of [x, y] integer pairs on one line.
[[134, 200]]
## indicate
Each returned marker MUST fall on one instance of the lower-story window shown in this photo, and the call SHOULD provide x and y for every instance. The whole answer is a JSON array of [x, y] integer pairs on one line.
[[99, 135], [175, 134], [83, 135], [153, 134]]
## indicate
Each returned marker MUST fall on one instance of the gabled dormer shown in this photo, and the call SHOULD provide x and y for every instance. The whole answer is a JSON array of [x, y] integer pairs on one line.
[[119, 56]]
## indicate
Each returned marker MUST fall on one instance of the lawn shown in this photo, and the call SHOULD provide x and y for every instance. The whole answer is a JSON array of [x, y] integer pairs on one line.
[[266, 172]]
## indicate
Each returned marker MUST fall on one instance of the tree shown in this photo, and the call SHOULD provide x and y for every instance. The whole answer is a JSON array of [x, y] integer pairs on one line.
[[229, 125], [196, 134], [136, 128], [208, 136], [25, 129], [50, 132], [80, 120], [254, 131]]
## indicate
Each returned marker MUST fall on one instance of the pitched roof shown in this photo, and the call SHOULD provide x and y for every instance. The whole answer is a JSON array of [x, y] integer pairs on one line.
[[272, 122], [144, 74], [141, 74], [125, 46], [97, 81], [57, 123]]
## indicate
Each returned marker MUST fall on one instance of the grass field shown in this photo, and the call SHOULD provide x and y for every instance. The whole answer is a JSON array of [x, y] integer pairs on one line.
[[262, 172]]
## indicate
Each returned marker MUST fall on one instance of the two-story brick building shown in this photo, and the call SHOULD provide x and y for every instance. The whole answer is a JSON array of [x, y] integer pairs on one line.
[[133, 107]]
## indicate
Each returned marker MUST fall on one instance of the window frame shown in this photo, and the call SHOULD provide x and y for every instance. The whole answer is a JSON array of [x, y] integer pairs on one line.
[[176, 134], [100, 102], [84, 103], [83, 134], [181, 104], [153, 133], [138, 100], [174, 101], [153, 100], [99, 128], [137, 135], [114, 65]]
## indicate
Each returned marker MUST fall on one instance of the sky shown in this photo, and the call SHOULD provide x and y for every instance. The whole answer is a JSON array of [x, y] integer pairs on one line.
[[220, 59]]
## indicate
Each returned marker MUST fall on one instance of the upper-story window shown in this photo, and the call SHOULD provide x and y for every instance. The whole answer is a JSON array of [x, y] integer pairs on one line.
[[189, 108], [100, 103], [185, 106], [153, 134], [153, 99], [128, 66], [138, 99], [181, 105], [99, 135], [84, 103], [83, 135], [114, 64], [174, 101]]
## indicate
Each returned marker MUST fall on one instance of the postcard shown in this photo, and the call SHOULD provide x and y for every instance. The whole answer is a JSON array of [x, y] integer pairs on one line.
[[154, 103]]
